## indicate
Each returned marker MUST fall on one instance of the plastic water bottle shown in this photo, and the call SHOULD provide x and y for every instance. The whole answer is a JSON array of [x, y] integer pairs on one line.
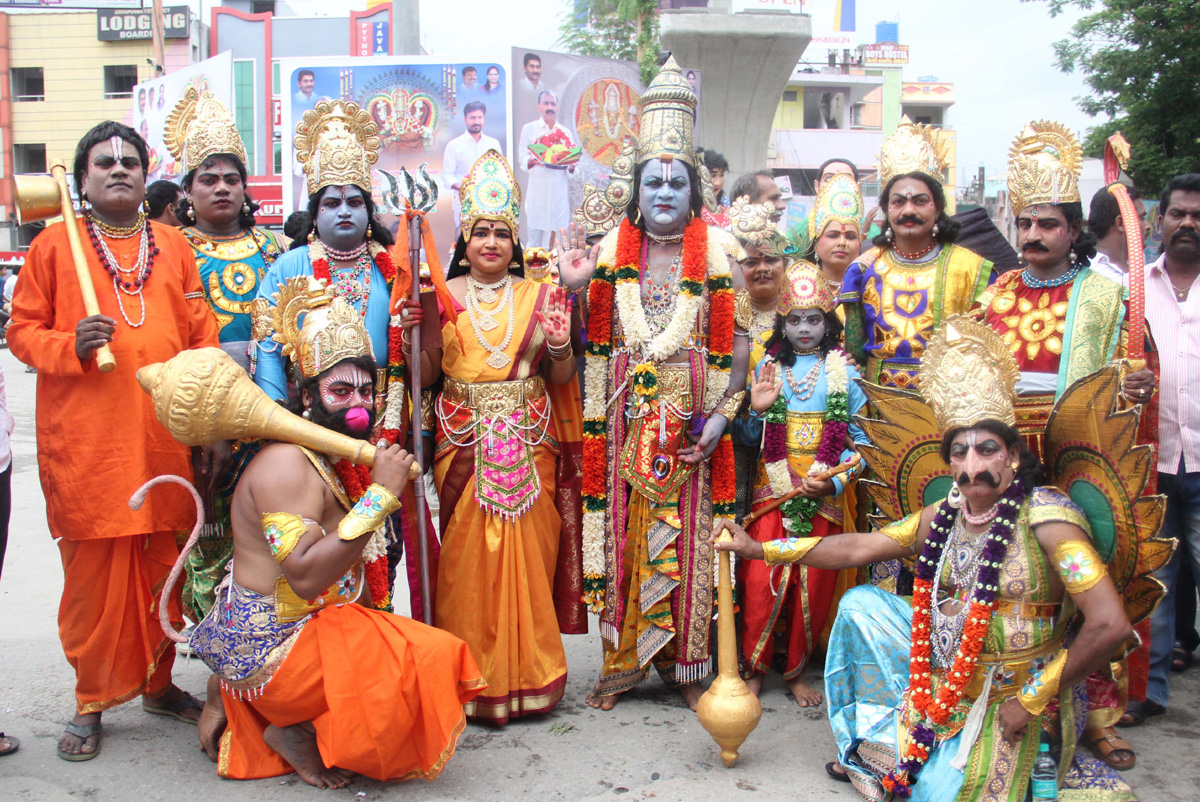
[[1045, 776]]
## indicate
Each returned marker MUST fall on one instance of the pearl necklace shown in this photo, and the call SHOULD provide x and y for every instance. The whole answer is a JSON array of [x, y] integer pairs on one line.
[[486, 292], [353, 285], [128, 281], [352, 255], [1041, 284], [804, 389], [497, 359], [985, 517]]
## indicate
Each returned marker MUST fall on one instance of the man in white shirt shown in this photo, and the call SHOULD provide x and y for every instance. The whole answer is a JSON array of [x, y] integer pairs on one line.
[[304, 99], [462, 152], [533, 72], [547, 196], [1173, 314], [1106, 225]]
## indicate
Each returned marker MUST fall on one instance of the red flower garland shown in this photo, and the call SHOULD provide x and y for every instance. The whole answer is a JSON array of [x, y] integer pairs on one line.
[[724, 478], [356, 479]]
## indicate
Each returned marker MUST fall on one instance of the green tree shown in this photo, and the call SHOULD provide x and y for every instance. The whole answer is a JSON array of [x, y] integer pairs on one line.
[[1142, 61], [619, 29]]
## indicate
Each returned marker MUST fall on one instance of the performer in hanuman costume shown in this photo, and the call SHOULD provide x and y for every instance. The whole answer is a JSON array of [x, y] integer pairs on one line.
[[311, 679], [948, 695], [232, 255], [1061, 321], [665, 373]]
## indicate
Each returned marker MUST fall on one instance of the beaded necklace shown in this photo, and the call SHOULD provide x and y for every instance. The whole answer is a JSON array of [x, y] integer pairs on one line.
[[1041, 284], [659, 299], [497, 358], [354, 283], [127, 281], [803, 389], [352, 255]]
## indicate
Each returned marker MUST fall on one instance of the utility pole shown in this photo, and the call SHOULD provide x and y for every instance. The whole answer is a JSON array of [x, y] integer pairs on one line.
[[156, 30]]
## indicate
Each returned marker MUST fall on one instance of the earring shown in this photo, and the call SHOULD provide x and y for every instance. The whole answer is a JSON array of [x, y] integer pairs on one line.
[[955, 497], [146, 206], [464, 262], [637, 218], [1071, 258], [306, 414], [191, 213], [245, 207], [368, 232], [311, 236], [513, 265], [935, 230], [889, 234]]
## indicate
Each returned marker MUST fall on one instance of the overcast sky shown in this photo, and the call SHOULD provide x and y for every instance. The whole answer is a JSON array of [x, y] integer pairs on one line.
[[998, 54]]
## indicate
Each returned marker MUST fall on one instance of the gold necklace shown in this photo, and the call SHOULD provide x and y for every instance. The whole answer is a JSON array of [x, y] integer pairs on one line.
[[119, 232]]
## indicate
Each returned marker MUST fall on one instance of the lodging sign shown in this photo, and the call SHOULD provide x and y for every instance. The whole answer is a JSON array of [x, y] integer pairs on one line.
[[885, 53], [119, 25]]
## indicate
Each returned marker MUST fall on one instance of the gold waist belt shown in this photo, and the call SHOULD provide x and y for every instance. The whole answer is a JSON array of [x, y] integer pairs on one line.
[[493, 399], [694, 340]]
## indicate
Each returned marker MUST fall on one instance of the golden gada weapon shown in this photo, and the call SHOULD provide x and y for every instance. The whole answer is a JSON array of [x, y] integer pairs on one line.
[[203, 396]]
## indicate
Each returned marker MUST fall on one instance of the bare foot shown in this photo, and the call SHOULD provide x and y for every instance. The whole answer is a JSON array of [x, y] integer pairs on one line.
[[70, 744], [602, 702], [691, 694], [805, 694], [174, 696], [755, 683], [212, 720], [298, 746]]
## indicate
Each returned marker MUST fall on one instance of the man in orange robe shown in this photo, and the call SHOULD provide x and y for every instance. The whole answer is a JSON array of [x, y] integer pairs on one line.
[[98, 440]]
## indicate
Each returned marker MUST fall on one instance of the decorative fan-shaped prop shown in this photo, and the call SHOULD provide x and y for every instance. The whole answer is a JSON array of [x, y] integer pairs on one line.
[[1092, 456], [907, 471]]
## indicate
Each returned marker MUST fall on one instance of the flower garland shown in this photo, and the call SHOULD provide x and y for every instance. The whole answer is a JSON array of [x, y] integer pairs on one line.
[[925, 710], [356, 478], [798, 511], [620, 286]]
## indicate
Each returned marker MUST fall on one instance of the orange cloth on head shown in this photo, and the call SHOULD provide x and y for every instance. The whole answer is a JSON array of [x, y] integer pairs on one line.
[[384, 694], [98, 438], [108, 617]]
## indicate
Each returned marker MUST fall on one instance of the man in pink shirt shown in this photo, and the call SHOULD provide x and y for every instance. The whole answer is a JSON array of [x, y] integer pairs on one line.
[[1173, 312]]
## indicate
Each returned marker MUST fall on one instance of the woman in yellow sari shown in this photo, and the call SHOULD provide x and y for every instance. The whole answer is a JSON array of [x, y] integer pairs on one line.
[[508, 448]]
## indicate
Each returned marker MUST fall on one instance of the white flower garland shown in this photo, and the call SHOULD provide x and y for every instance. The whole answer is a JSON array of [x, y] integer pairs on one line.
[[637, 330]]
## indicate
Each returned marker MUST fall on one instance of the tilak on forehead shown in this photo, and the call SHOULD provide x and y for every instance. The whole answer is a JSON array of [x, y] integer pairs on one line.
[[118, 147]]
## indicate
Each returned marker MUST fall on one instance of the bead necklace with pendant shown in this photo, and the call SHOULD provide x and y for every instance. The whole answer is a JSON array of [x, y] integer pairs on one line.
[[126, 281], [497, 358], [353, 283]]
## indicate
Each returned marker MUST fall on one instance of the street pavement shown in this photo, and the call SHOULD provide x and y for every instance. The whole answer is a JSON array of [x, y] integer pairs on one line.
[[649, 747]]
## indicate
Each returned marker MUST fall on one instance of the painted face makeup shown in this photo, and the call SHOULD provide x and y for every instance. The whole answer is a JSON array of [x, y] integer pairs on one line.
[[978, 457], [342, 217], [345, 387], [804, 329], [664, 197]]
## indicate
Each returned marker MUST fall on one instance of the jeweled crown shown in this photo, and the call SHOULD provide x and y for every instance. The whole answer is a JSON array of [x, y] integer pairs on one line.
[[839, 200], [913, 148], [668, 117], [968, 374], [1043, 166], [337, 143], [490, 192], [315, 328], [804, 288], [751, 224], [201, 126]]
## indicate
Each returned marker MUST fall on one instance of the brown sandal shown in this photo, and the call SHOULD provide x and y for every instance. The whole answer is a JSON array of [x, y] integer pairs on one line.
[[1105, 743]]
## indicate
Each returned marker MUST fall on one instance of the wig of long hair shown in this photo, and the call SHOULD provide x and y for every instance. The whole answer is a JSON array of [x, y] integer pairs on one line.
[[184, 207], [948, 228]]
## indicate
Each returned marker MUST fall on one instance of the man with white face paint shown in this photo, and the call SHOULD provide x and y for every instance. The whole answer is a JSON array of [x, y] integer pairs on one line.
[[665, 374], [347, 249], [295, 636]]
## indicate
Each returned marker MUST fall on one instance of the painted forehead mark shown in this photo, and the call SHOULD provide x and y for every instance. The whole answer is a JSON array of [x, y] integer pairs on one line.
[[118, 147]]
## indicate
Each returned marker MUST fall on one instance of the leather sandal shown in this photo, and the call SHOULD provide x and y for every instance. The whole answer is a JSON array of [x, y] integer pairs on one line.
[[1136, 713], [82, 732], [831, 768], [10, 744], [175, 709], [1105, 743]]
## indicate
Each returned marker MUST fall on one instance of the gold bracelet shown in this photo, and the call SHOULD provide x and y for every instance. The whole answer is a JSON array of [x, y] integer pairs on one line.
[[788, 550], [1040, 688], [369, 513]]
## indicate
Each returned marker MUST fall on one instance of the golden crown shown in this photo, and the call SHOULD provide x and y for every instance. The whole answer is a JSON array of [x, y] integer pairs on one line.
[[200, 126], [839, 200], [1043, 166], [804, 288], [751, 223], [668, 117], [489, 192], [337, 144], [913, 149], [968, 375], [331, 329]]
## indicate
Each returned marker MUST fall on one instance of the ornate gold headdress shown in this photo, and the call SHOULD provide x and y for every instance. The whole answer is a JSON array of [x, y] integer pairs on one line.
[[200, 126], [968, 374], [330, 332], [1043, 166], [602, 208], [913, 148], [752, 225], [839, 200], [668, 117], [489, 192], [337, 144], [804, 288]]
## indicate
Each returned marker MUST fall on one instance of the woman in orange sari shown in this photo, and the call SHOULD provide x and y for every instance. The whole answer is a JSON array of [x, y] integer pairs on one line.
[[506, 459]]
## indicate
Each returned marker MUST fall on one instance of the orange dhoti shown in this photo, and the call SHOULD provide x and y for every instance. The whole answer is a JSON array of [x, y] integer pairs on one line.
[[800, 595], [384, 694], [108, 617]]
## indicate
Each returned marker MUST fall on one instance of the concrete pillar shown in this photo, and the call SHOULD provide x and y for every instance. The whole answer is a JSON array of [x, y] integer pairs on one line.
[[745, 62], [406, 27]]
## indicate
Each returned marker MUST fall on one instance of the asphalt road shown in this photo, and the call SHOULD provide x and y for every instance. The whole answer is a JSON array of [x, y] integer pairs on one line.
[[650, 746]]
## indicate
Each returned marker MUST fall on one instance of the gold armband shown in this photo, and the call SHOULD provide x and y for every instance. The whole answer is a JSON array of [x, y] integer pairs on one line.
[[1078, 564], [368, 513], [732, 405], [903, 532], [1039, 689], [788, 549], [283, 531]]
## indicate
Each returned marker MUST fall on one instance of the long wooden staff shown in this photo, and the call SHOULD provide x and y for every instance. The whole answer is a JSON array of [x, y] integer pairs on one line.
[[414, 256], [1116, 157], [795, 491], [105, 360]]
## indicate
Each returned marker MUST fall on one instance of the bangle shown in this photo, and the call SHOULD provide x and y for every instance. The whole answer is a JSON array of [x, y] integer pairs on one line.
[[369, 513], [565, 356]]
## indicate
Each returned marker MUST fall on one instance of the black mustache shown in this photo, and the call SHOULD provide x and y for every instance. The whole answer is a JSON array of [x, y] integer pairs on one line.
[[1186, 234], [910, 218], [987, 477], [1035, 246]]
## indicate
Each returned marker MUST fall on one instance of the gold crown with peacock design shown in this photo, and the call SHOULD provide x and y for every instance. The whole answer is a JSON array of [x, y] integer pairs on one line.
[[201, 126], [1043, 166], [914, 148], [490, 192], [968, 374], [315, 327], [337, 143]]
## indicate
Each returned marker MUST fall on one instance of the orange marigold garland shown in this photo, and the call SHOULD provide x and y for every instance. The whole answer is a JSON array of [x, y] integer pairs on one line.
[[724, 481], [356, 479]]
